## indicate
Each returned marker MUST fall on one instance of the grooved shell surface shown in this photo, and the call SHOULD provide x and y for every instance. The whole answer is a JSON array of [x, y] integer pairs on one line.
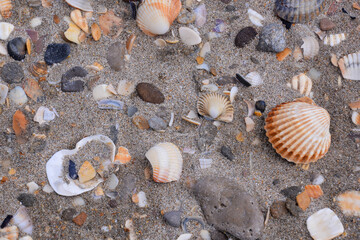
[[299, 11], [350, 66], [216, 106]]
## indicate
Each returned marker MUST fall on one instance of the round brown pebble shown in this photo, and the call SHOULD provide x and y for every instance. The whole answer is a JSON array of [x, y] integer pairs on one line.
[[80, 219], [326, 24], [245, 36], [278, 209], [113, 203], [150, 93]]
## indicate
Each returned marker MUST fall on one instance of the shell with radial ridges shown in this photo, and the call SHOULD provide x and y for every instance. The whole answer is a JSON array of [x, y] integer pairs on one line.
[[299, 11], [216, 106], [350, 66]]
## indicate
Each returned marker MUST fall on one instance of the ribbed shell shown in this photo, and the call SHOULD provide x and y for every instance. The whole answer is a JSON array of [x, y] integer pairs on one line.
[[216, 106], [302, 83], [299, 11], [23, 220], [154, 17], [350, 66], [310, 47], [166, 161], [5, 8], [334, 39], [299, 130], [10, 233], [349, 203]]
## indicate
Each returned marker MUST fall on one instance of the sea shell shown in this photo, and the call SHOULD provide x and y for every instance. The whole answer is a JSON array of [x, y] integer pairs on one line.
[[17, 95], [125, 88], [35, 22], [100, 92], [355, 117], [250, 124], [166, 161], [299, 130], [299, 11], [189, 36], [350, 66], [83, 5], [324, 225], [79, 20], [5, 30], [130, 43], [111, 104], [302, 83], [3, 93], [123, 156], [334, 39], [62, 183], [205, 162], [23, 220], [154, 17], [297, 53], [216, 106], [73, 33], [9, 233], [160, 42], [95, 32], [254, 79], [200, 15], [233, 92], [349, 203], [255, 17], [5, 8], [314, 191], [310, 47]]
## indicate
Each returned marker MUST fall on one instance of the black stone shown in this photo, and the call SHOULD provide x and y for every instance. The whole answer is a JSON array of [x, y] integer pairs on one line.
[[113, 134], [56, 53], [226, 1], [173, 218], [133, 10], [230, 8], [12, 73], [73, 86], [17, 48], [6, 221], [287, 24], [113, 203], [291, 192], [245, 36], [276, 181], [27, 199], [226, 151], [68, 214], [72, 170], [260, 105], [242, 80]]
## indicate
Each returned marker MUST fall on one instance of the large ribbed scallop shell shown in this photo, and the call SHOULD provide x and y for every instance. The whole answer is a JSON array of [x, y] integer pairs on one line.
[[154, 17], [299, 130], [166, 161], [349, 203], [216, 106], [350, 66], [298, 11], [9, 233]]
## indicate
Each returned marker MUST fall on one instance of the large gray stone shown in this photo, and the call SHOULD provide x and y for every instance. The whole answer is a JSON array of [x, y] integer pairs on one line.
[[272, 38], [229, 208]]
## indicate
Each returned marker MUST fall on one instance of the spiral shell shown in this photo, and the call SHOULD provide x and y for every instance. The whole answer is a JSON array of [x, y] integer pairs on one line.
[[299, 11], [299, 130], [166, 161], [350, 66], [154, 17], [216, 106]]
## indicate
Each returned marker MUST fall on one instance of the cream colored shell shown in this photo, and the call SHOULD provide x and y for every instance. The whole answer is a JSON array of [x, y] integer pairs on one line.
[[349, 203], [302, 83], [216, 106], [350, 66], [334, 39], [310, 47], [9, 233]]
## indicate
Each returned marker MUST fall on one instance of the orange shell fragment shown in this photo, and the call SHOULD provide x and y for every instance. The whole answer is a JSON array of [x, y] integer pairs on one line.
[[349, 203], [282, 55], [314, 191], [303, 200], [19, 123], [122, 156], [5, 8]]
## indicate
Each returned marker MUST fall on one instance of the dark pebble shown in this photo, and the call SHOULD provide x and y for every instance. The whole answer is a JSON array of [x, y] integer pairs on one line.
[[17, 48], [173, 218], [245, 36], [12, 73], [226, 1], [75, 85], [276, 181], [127, 186], [233, 66], [207, 134], [74, 72], [72, 170], [293, 208], [254, 60], [326, 24], [226, 151], [291, 192], [131, 111], [260, 105], [163, 113], [115, 56], [113, 203], [278, 209], [27, 199], [68, 214], [225, 80], [150, 93], [272, 38], [242, 80], [6, 221], [56, 53], [113, 134], [230, 8]]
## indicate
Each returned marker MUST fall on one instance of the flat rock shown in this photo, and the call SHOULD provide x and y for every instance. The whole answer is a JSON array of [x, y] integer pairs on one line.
[[278, 209], [226, 152], [173, 218], [80, 219], [17, 48], [131, 111], [157, 123], [326, 24], [291, 192], [27, 199], [68, 214], [225, 80], [115, 56], [75, 85], [12, 73], [150, 93], [272, 38], [56, 53], [245, 36], [140, 122], [229, 208]]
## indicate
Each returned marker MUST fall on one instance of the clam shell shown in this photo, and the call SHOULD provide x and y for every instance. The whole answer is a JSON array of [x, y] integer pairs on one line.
[[166, 161], [355, 117], [349, 203], [216, 106], [100, 92], [189, 36], [73, 33], [334, 39], [255, 17], [9, 233], [5, 30], [17, 95], [299, 11], [5, 8], [324, 225], [310, 47], [299, 130], [302, 83], [350, 66], [80, 4], [3, 93], [55, 169], [23, 220], [154, 17], [254, 79], [79, 20]]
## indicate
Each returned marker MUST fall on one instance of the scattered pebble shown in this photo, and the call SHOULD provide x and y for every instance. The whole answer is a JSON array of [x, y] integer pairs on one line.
[[12, 73], [17, 48], [326, 24], [149, 93], [115, 56], [76, 85], [245, 36], [113, 203], [230, 8], [173, 218], [291, 192], [226, 151], [293, 208], [27, 199], [140, 122], [56, 53], [131, 110], [80, 219], [68, 214], [17, 95], [272, 38], [157, 124], [32, 187], [278, 209]]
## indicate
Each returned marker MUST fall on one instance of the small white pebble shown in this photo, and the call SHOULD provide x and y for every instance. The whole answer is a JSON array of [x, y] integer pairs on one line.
[[142, 199], [32, 187], [319, 179], [78, 201], [48, 189], [35, 22]]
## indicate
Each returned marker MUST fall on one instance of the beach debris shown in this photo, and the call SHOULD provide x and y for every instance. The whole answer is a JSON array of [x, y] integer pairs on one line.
[[109, 21], [297, 53], [33, 90], [140, 122], [73, 86], [186, 16], [350, 66], [250, 124], [282, 55], [205, 162], [18, 96], [12, 72], [233, 92], [78, 202], [314, 191], [74, 33], [84, 5], [317, 179], [157, 124], [349, 203], [319, 33], [303, 200], [310, 47], [255, 17], [185, 236], [32, 187], [245, 36], [3, 93], [26, 199], [100, 92], [161, 43], [334, 39], [129, 227], [216, 107], [80, 219], [123, 156], [205, 50], [166, 161], [226, 152], [326, 24], [302, 83], [112, 182], [35, 22], [293, 144], [115, 56], [354, 105], [23, 220], [220, 26], [355, 117], [130, 43], [254, 79], [140, 199], [272, 38], [189, 36], [95, 32], [260, 106], [79, 20], [278, 209], [299, 11], [149, 93], [200, 15], [17, 48], [10, 233], [324, 224], [6, 8], [334, 60], [5, 30], [56, 53]]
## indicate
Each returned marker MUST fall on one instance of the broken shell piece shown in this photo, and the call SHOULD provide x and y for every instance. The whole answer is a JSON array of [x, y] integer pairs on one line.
[[5, 30], [355, 117], [205, 162], [38, 69], [250, 124], [86, 172], [96, 66], [111, 104], [280, 56], [95, 32], [302, 83], [129, 227], [160, 42], [79, 20], [3, 93], [254, 79], [5, 8], [43, 115], [189, 36], [255, 17], [355, 105], [61, 182], [209, 87], [319, 33], [9, 233], [216, 106], [23, 220], [100, 92], [125, 88], [233, 92], [18, 96], [123, 156], [166, 161], [314, 191], [334, 39], [191, 120], [250, 107], [205, 49], [112, 182], [310, 47], [200, 15], [141, 199], [3, 50], [83, 5], [32, 187], [349, 203], [111, 89], [350, 66], [297, 53], [130, 43], [35, 22], [73, 33], [334, 60], [324, 224], [185, 236]]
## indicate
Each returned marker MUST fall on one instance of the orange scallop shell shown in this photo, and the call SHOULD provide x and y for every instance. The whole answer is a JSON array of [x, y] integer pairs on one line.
[[314, 191], [349, 203], [299, 130], [5, 8]]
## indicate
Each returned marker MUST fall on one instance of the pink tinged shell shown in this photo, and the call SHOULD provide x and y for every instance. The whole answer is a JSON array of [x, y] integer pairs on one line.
[[200, 14], [350, 66], [9, 233], [23, 220], [299, 130], [349, 203], [166, 161]]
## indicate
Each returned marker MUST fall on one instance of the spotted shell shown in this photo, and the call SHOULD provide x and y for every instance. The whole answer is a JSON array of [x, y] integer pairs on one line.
[[299, 11], [350, 66], [299, 130], [216, 106]]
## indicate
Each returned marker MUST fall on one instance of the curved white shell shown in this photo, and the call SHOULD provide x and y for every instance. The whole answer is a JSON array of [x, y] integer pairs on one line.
[[55, 169], [216, 106], [349, 203], [5, 30], [166, 161], [80, 4], [101, 92], [302, 83], [334, 39], [254, 79], [189, 36], [18, 96], [3, 93], [324, 225], [350, 66], [310, 47], [23, 220], [255, 17], [9, 233]]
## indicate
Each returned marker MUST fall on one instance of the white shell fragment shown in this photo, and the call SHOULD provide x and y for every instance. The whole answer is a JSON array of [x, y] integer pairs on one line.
[[205, 162], [349, 203], [233, 92], [62, 183], [355, 117], [310, 47], [297, 53], [334, 39], [250, 124], [125, 88], [35, 22], [112, 182], [160, 42], [350, 66], [255, 17], [23, 220], [254, 79], [3, 93], [314, 74], [189, 36], [43, 115], [3, 50], [302, 83], [205, 235], [18, 96], [200, 15], [129, 227], [78, 202], [83, 5], [100, 92], [205, 49], [324, 225], [334, 60], [209, 87], [142, 199], [48, 189], [5, 30], [185, 236], [26, 238], [32, 187]]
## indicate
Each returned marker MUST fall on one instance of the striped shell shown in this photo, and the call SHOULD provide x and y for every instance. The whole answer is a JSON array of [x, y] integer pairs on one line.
[[83, 5], [23, 220], [154, 17], [334, 39], [216, 106], [5, 8], [166, 161], [299, 130], [349, 203], [302, 83], [310, 47], [9, 233], [298, 11], [350, 66]]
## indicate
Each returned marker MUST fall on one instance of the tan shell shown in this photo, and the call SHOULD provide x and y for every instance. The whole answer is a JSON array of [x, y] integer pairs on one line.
[[299, 130], [216, 106], [350, 66], [349, 203], [302, 83], [79, 20], [9, 233], [334, 39]]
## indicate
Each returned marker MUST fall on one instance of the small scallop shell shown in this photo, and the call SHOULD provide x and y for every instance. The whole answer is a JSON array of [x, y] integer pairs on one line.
[[23, 220], [324, 224], [166, 161], [254, 79], [154, 17], [5, 8], [355, 117], [310, 47], [83, 5], [255, 17], [5, 30], [302, 83], [349, 203], [350, 66], [299, 130], [9, 233], [299, 11], [216, 106], [334, 39]]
